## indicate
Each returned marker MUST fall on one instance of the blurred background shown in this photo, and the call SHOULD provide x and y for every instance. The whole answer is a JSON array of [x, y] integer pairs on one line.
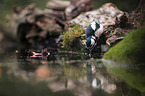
[[7, 6], [61, 72], [9, 22]]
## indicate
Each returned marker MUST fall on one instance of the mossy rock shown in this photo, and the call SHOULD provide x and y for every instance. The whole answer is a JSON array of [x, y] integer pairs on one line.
[[73, 36], [131, 49]]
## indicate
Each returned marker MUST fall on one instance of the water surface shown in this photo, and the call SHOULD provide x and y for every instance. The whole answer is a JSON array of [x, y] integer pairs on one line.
[[66, 73]]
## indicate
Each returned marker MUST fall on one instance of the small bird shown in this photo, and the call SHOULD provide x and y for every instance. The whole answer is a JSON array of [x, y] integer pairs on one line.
[[93, 32]]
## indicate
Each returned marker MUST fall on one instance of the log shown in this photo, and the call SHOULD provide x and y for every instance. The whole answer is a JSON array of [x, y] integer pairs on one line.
[[52, 14], [77, 7], [58, 5]]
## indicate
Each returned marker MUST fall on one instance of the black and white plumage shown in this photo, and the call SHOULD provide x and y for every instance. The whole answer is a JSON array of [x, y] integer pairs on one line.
[[93, 32]]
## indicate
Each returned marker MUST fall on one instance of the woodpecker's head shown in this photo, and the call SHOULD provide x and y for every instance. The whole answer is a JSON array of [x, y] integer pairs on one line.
[[91, 42]]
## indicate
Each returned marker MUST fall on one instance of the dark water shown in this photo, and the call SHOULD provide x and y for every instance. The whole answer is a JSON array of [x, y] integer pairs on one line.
[[67, 74]]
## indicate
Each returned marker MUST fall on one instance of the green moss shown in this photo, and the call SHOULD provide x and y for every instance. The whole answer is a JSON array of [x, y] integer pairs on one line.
[[74, 31], [131, 49]]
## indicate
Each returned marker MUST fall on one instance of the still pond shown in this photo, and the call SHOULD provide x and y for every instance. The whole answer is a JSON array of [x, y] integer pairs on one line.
[[65, 73]]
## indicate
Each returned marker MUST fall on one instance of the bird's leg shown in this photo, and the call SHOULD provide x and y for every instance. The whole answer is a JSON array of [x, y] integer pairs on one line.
[[90, 53]]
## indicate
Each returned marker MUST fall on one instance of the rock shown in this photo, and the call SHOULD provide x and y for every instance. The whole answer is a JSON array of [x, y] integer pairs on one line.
[[50, 23], [106, 15], [73, 36], [124, 24], [116, 23], [30, 13], [36, 27], [20, 15], [77, 7], [47, 23]]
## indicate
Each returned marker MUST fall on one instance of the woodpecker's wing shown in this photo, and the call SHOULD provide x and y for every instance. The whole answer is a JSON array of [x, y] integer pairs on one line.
[[99, 31], [89, 31]]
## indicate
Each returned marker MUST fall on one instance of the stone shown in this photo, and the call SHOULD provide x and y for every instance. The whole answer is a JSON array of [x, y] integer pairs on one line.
[[106, 15]]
